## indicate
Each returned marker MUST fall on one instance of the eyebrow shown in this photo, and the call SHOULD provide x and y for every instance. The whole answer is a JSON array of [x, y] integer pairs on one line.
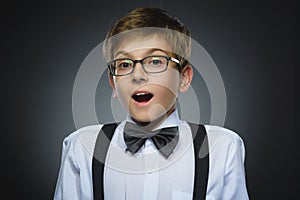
[[147, 52]]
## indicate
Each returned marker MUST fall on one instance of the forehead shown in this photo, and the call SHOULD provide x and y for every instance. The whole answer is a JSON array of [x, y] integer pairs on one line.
[[148, 37], [139, 44]]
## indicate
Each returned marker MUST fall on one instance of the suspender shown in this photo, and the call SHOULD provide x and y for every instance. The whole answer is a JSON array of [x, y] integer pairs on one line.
[[99, 156], [201, 159]]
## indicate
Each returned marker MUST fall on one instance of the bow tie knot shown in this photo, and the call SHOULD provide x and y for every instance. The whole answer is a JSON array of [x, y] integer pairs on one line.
[[164, 139]]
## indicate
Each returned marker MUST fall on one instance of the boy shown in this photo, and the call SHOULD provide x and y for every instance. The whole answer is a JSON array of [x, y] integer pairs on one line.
[[152, 154]]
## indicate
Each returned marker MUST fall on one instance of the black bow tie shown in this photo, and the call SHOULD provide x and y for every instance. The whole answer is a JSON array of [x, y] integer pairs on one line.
[[164, 139]]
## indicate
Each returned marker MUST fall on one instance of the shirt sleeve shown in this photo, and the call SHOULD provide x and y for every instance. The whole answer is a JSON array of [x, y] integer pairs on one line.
[[68, 186], [234, 177]]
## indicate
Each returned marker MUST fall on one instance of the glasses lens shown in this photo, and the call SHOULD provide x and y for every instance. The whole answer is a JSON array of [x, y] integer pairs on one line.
[[155, 64], [121, 67]]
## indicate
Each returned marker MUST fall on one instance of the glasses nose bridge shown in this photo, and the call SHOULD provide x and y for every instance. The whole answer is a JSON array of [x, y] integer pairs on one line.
[[138, 61]]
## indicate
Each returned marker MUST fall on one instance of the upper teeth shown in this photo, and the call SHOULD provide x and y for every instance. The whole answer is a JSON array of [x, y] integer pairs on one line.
[[142, 93]]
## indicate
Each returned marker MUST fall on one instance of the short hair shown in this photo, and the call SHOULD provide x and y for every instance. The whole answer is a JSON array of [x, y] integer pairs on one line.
[[144, 17]]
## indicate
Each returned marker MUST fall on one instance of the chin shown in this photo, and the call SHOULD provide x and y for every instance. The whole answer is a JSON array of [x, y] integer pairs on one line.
[[144, 118], [155, 113], [141, 118]]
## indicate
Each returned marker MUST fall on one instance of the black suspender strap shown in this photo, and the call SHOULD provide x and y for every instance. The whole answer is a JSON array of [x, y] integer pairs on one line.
[[99, 156], [201, 160]]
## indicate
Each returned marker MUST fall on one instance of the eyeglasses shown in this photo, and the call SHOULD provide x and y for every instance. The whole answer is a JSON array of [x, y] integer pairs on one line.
[[150, 64]]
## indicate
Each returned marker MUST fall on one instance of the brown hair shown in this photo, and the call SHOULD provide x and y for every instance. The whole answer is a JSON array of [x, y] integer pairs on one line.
[[140, 18]]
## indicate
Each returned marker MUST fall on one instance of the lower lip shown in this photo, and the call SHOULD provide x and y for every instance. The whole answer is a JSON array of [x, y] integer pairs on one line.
[[142, 104]]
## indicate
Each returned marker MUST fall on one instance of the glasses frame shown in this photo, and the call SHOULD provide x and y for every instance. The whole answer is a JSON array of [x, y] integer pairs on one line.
[[169, 58]]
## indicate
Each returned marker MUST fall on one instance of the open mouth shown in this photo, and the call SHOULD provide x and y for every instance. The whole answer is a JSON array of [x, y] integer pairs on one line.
[[142, 97]]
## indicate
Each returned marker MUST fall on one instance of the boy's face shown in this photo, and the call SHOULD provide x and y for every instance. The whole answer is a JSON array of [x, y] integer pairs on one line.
[[145, 96]]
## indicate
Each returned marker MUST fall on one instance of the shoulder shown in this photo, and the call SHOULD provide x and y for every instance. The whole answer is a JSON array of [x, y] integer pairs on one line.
[[215, 132], [224, 140], [217, 135], [85, 135], [82, 132], [222, 133]]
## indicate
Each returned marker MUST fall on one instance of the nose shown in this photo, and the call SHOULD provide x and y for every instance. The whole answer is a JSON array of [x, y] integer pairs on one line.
[[138, 74]]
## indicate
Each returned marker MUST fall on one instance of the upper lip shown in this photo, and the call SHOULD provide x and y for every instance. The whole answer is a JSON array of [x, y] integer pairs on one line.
[[141, 92]]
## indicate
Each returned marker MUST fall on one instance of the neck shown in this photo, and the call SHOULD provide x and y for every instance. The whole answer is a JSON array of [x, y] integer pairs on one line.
[[155, 123]]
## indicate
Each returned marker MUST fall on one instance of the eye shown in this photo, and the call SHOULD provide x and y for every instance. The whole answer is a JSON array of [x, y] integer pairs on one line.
[[156, 61], [123, 64]]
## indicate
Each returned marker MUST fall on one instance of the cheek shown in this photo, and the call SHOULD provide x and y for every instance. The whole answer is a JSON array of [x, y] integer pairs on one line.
[[169, 96], [169, 80], [119, 84], [121, 87]]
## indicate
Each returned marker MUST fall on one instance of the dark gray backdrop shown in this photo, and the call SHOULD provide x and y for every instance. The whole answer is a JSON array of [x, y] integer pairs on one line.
[[253, 45]]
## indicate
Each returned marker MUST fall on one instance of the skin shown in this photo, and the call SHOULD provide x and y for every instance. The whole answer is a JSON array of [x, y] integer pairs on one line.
[[164, 86]]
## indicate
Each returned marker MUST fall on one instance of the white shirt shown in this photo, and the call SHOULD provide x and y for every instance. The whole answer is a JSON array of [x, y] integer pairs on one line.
[[147, 174]]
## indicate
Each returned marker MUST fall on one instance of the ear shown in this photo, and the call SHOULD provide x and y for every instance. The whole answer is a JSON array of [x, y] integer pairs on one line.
[[186, 78], [112, 84]]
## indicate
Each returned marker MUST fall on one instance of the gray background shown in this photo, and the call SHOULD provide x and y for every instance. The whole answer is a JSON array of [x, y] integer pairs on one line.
[[43, 45]]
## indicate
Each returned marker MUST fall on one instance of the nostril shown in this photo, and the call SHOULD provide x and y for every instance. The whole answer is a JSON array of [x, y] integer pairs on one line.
[[138, 79]]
